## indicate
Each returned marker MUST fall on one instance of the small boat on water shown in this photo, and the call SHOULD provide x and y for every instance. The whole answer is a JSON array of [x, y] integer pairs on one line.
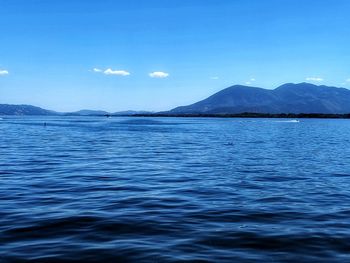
[[289, 121]]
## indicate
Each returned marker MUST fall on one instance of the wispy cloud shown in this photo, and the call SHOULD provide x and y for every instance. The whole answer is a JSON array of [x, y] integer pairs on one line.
[[116, 72], [250, 81], [158, 74], [3, 72], [110, 71], [316, 79], [348, 80], [214, 78]]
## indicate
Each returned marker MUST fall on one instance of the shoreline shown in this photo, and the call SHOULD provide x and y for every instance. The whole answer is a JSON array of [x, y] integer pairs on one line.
[[248, 115], [239, 115]]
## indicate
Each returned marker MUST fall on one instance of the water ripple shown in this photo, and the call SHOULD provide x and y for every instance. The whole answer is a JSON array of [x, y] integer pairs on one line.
[[94, 189]]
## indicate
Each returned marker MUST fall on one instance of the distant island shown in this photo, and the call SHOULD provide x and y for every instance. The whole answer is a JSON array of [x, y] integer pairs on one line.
[[303, 100]]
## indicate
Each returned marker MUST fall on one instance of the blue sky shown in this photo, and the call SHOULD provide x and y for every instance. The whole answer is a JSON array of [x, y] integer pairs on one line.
[[116, 55]]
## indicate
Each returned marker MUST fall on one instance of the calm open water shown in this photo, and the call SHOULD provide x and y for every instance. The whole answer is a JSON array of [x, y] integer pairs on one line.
[[174, 190]]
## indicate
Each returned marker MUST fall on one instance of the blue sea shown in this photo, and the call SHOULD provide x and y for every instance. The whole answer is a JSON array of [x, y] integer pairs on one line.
[[96, 189]]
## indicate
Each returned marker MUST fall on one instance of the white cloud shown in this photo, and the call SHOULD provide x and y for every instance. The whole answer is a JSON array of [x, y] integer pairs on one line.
[[158, 74], [116, 72], [214, 77], [3, 72], [317, 79], [97, 70], [348, 80], [250, 81]]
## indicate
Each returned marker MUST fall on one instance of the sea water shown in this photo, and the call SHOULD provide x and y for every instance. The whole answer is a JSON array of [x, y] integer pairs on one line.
[[97, 189]]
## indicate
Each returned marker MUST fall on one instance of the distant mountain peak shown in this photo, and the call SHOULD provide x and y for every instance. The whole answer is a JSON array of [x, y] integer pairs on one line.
[[296, 85], [288, 98], [242, 87]]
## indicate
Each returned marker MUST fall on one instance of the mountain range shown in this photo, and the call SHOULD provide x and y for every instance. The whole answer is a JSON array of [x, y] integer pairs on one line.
[[9, 109], [287, 98]]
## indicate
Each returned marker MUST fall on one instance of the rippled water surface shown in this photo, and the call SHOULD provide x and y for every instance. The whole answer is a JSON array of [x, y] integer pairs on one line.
[[174, 190]]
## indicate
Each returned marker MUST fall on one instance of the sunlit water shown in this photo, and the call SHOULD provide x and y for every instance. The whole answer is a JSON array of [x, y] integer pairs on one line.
[[174, 190]]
